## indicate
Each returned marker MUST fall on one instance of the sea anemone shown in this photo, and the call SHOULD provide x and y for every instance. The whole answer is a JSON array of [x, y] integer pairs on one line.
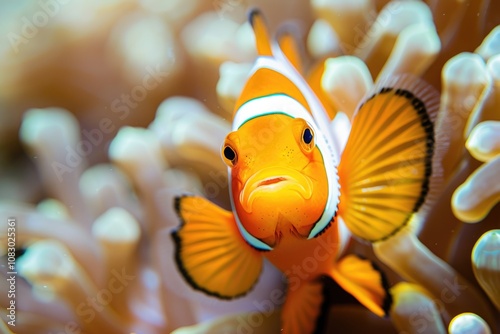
[[121, 106]]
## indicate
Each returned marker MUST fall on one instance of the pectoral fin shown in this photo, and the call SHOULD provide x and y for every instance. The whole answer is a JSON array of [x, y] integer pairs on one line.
[[210, 251], [302, 308], [391, 163], [362, 280]]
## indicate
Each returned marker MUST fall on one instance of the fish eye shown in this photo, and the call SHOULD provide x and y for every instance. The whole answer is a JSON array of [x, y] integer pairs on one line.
[[307, 135], [230, 155]]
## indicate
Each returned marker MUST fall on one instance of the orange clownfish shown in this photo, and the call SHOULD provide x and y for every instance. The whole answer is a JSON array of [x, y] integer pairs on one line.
[[290, 191]]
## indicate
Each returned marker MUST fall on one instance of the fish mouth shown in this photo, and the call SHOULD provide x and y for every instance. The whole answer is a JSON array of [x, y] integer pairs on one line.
[[275, 181], [271, 180]]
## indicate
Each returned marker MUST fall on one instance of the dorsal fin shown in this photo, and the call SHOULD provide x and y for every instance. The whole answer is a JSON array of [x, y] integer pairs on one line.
[[262, 38], [288, 42]]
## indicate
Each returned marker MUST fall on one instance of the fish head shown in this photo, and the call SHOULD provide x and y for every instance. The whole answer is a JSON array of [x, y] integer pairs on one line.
[[279, 183]]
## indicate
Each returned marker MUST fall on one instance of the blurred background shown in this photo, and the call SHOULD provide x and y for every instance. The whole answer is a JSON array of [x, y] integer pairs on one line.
[[87, 57], [112, 63]]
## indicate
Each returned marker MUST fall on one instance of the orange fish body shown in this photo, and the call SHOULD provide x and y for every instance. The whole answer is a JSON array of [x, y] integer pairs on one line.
[[291, 193], [314, 257]]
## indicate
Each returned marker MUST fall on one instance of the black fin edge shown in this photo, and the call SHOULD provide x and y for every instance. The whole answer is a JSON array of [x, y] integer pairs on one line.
[[252, 12], [178, 249], [322, 319], [428, 125], [387, 303]]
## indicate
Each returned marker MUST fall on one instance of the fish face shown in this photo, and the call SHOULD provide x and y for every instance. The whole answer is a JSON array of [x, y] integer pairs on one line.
[[279, 184]]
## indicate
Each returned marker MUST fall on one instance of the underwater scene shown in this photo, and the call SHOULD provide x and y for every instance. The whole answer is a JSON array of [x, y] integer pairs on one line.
[[249, 166]]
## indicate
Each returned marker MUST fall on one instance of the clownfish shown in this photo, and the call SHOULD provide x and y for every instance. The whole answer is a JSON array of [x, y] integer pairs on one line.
[[291, 192]]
